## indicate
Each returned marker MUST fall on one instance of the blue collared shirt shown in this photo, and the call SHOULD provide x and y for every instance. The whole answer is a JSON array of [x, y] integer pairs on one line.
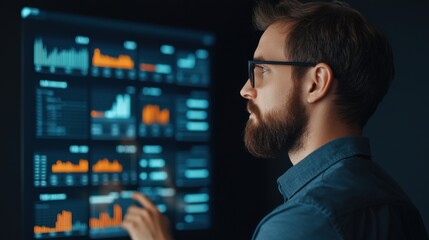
[[337, 192]]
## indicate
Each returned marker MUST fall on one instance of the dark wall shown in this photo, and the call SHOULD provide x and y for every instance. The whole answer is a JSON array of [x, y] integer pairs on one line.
[[245, 187], [10, 131], [399, 129]]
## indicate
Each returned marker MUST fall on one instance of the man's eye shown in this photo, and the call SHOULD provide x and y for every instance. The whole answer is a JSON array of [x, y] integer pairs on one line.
[[262, 69]]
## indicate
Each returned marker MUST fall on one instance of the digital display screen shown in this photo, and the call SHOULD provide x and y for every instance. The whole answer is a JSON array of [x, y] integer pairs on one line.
[[111, 107]]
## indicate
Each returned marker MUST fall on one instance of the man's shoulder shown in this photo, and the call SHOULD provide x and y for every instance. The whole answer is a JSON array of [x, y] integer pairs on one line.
[[343, 200], [350, 185]]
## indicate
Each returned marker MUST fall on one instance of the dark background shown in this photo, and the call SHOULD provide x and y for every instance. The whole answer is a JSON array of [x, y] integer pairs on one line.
[[245, 188]]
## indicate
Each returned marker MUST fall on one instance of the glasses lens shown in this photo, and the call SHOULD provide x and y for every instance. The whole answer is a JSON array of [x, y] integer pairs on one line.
[[252, 74]]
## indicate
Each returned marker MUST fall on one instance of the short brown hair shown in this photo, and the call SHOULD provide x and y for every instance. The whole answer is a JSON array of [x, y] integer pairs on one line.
[[338, 35]]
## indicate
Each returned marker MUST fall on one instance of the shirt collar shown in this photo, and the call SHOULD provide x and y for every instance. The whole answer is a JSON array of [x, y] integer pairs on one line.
[[319, 160]]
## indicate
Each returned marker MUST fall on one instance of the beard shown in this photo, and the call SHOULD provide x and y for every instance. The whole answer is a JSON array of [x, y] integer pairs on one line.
[[278, 131]]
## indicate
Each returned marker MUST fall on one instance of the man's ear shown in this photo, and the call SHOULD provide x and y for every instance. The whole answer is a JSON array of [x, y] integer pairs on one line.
[[319, 82]]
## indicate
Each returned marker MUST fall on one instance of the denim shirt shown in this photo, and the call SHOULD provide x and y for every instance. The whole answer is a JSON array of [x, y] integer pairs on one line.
[[338, 192]]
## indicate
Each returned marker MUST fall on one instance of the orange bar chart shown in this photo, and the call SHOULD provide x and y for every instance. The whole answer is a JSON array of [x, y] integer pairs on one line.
[[97, 114], [102, 60], [69, 167], [105, 221], [152, 114], [104, 165], [147, 67], [63, 224]]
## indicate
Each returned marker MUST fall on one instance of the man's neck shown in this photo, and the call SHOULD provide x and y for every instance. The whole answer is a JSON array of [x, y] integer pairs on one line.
[[319, 136]]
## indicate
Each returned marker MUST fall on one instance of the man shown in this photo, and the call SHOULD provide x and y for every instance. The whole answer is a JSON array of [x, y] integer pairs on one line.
[[319, 72]]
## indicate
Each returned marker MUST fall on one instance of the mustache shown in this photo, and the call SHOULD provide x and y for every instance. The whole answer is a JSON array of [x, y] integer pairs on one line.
[[251, 107]]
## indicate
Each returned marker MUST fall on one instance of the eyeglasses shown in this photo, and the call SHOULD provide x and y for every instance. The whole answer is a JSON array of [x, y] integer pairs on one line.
[[252, 64]]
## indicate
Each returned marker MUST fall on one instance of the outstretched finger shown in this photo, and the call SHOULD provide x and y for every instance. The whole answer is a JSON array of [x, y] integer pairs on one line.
[[145, 202]]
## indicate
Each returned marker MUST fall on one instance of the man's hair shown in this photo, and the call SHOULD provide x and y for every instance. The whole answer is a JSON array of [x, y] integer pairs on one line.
[[334, 33]]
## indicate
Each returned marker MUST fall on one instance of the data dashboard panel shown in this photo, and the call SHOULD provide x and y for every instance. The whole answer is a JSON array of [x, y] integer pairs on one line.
[[110, 108]]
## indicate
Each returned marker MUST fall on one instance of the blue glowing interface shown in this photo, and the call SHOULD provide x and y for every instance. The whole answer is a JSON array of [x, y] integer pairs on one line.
[[112, 107]]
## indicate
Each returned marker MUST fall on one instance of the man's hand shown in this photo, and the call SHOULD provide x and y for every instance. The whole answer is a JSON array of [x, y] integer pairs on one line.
[[146, 223]]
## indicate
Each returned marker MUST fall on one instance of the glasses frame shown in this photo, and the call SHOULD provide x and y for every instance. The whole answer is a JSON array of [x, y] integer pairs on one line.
[[252, 64]]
